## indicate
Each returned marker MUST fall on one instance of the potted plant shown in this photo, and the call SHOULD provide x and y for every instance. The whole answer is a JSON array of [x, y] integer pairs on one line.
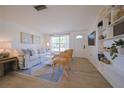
[[120, 46], [117, 47], [113, 51]]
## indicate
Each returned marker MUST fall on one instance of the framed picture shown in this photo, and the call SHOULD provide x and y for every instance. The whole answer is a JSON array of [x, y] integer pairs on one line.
[[92, 39], [36, 39], [26, 38]]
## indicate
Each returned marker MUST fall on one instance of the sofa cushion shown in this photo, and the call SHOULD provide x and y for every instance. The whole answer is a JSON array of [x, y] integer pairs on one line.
[[32, 52], [38, 51], [34, 57], [26, 51]]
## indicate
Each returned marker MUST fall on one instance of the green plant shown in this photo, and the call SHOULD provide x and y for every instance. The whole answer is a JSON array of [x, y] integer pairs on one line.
[[114, 48], [120, 43], [113, 51]]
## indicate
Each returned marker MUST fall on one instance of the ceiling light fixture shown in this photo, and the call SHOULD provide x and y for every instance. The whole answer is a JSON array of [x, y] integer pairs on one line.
[[79, 37]]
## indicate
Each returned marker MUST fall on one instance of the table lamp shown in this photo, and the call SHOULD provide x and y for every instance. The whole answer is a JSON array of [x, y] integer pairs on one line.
[[5, 47]]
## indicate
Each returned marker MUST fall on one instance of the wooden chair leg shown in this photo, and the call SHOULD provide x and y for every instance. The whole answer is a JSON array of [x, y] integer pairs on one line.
[[65, 72], [53, 69], [69, 67]]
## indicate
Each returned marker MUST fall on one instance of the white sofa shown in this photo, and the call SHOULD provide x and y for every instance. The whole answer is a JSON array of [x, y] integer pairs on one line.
[[29, 58]]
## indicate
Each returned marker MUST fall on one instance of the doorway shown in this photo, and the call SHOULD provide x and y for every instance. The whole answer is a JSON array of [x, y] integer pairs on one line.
[[77, 42]]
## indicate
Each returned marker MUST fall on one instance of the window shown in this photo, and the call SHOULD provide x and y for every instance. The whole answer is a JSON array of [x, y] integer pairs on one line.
[[60, 43]]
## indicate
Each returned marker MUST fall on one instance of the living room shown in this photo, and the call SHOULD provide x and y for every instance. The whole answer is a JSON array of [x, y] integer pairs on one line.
[[33, 35]]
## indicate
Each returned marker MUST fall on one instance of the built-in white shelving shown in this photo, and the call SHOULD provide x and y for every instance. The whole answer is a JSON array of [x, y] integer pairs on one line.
[[102, 30], [115, 37], [108, 22], [117, 21]]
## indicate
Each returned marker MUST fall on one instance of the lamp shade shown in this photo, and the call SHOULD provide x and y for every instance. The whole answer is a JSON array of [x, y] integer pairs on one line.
[[48, 44], [5, 45]]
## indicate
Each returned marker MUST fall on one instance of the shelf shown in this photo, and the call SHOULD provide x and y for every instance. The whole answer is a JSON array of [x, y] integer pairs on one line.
[[100, 51], [102, 30], [107, 55], [115, 37], [121, 19], [115, 7], [101, 40], [106, 62]]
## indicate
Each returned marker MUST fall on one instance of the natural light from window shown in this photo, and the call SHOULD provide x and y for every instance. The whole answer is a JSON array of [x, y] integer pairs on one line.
[[59, 43]]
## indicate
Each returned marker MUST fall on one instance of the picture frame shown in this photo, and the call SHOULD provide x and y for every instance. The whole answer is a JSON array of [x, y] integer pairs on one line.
[[26, 38], [36, 39], [92, 39]]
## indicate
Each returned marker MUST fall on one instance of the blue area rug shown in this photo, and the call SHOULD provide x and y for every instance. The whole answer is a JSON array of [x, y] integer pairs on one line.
[[27, 71], [31, 70], [52, 77], [45, 73]]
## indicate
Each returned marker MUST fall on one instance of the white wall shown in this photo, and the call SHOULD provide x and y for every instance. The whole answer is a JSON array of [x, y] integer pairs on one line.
[[112, 72], [47, 40], [10, 31]]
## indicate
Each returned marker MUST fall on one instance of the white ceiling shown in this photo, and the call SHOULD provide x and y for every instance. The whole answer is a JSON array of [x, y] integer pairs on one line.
[[54, 19]]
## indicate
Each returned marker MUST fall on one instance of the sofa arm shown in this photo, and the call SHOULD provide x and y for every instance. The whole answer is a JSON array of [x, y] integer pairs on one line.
[[27, 57]]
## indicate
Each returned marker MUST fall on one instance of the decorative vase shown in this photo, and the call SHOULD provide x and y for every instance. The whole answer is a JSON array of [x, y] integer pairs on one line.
[[101, 37]]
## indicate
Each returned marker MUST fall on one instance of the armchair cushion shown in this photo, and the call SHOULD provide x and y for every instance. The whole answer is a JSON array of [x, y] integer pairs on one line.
[[66, 54]]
